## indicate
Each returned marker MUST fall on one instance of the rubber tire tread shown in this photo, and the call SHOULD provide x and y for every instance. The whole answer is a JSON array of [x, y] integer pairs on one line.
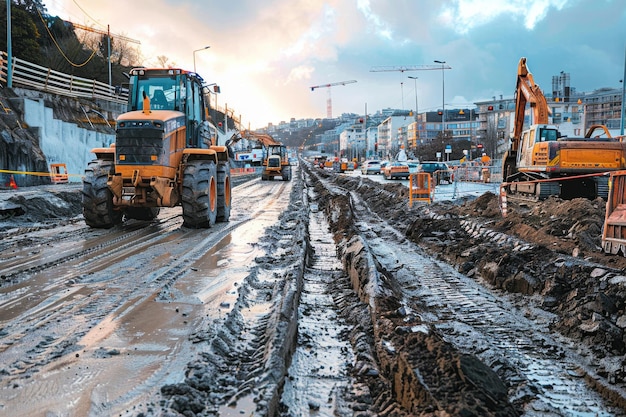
[[196, 199], [97, 200], [224, 192]]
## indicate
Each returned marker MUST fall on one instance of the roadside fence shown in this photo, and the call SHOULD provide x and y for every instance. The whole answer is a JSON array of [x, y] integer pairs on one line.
[[478, 173], [27, 74]]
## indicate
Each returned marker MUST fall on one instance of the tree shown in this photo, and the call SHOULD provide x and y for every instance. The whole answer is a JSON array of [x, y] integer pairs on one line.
[[162, 60], [24, 33]]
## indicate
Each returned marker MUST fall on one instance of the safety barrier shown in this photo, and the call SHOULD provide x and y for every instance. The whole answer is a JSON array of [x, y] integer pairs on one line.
[[420, 188], [58, 174], [478, 173]]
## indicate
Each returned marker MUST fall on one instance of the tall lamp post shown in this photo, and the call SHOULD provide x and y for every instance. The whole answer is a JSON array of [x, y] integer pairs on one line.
[[417, 125], [415, 80], [194, 57], [621, 123], [443, 98]]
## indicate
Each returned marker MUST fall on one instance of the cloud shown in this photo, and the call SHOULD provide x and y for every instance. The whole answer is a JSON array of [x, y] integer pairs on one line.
[[266, 55]]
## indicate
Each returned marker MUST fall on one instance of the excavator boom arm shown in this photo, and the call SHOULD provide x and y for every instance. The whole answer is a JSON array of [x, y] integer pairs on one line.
[[527, 92]]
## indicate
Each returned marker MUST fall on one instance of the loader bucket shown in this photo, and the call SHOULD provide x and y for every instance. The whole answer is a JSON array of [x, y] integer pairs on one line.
[[614, 229]]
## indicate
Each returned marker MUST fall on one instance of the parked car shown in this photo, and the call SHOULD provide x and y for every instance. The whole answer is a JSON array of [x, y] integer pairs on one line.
[[395, 170], [412, 166], [370, 167], [439, 171]]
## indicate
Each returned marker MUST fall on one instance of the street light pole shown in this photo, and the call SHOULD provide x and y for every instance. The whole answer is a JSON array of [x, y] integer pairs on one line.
[[415, 80], [417, 127], [443, 97], [621, 124], [194, 57]]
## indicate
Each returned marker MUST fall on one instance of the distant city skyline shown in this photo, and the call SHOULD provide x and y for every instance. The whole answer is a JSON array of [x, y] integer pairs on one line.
[[266, 55]]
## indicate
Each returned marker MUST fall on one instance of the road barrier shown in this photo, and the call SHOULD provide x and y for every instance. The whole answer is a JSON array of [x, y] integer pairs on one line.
[[420, 188], [478, 173], [58, 174]]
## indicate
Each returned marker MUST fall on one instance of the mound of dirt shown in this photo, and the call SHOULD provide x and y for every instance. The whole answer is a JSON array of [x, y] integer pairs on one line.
[[550, 250]]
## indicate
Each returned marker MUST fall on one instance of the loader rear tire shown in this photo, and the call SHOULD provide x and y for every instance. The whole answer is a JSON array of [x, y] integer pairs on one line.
[[224, 189], [98, 209], [199, 197]]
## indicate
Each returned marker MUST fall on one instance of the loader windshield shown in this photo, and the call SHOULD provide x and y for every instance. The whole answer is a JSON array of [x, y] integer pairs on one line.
[[162, 94], [164, 88]]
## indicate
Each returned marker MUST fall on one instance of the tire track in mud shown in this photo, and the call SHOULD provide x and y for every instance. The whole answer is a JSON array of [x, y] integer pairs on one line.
[[72, 303], [319, 379], [544, 373]]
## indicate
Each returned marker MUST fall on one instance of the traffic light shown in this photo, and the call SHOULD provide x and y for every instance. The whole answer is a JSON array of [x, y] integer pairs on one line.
[[490, 108]]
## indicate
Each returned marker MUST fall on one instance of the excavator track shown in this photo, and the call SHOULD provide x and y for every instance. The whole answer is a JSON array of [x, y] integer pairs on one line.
[[543, 190]]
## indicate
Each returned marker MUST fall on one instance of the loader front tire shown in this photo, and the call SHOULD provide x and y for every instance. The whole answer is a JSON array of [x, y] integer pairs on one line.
[[98, 209], [199, 197]]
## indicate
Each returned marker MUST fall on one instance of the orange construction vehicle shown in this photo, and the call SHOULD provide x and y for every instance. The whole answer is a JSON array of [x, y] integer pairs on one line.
[[540, 162], [276, 163], [165, 154], [275, 156]]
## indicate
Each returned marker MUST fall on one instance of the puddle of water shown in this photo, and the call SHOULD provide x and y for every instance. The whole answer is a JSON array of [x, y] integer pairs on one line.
[[245, 407]]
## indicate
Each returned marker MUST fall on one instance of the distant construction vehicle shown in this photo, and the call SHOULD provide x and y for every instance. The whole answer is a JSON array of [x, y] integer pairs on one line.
[[165, 154], [276, 157], [276, 163], [540, 162]]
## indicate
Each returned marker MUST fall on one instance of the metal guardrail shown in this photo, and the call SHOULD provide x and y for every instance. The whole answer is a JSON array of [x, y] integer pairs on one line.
[[478, 173], [31, 75]]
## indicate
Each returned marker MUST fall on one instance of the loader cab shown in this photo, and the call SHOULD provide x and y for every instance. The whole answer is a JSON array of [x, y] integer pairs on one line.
[[174, 90], [533, 144]]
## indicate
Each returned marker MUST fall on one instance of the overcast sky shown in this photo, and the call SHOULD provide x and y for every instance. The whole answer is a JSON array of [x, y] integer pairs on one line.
[[265, 55]]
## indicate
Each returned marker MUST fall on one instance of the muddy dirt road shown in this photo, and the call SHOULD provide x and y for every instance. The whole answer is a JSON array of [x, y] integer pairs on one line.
[[326, 295]]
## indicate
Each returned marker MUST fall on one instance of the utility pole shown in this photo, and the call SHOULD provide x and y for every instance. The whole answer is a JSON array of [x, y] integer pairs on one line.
[[9, 52], [443, 98], [108, 35], [621, 124]]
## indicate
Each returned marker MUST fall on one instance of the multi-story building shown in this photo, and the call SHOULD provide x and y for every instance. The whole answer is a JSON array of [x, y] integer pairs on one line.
[[389, 141], [603, 107]]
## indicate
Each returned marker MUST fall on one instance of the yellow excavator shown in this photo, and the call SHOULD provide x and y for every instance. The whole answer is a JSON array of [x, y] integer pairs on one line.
[[541, 162], [276, 158]]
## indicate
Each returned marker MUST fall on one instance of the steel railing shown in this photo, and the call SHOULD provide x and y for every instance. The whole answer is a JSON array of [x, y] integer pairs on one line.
[[27, 74]]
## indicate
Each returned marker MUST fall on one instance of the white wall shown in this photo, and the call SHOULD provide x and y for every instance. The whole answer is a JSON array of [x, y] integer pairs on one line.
[[63, 142]]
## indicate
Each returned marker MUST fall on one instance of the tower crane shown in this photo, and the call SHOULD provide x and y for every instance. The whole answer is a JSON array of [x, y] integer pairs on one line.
[[409, 68], [329, 104]]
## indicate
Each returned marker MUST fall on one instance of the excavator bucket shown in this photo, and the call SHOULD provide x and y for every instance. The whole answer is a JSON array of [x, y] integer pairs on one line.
[[614, 230]]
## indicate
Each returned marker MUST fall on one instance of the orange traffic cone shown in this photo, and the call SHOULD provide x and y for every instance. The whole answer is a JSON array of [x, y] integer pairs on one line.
[[12, 183]]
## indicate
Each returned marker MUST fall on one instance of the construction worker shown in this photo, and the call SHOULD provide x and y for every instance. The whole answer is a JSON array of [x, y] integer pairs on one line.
[[486, 173]]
